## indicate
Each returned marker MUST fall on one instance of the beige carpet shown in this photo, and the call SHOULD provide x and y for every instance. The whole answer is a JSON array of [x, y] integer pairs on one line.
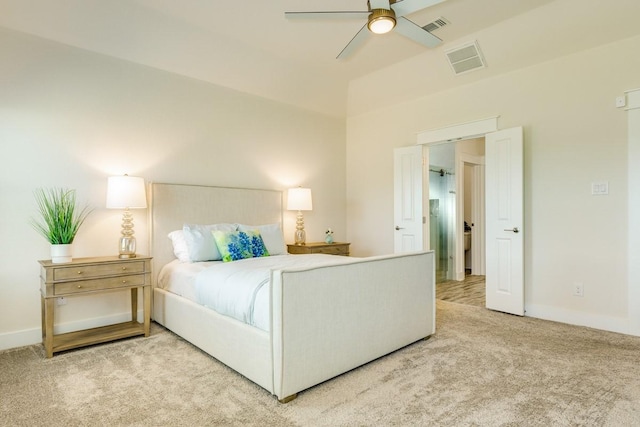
[[480, 369]]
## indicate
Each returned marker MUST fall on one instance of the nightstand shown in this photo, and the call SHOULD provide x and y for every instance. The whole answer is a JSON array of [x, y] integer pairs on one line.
[[335, 248], [86, 276]]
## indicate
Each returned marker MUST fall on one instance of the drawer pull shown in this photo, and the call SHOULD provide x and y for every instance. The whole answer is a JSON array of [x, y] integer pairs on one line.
[[124, 281], [79, 287], [124, 268], [79, 271]]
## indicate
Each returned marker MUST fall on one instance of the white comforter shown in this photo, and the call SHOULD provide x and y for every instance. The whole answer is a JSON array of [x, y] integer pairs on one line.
[[237, 289]]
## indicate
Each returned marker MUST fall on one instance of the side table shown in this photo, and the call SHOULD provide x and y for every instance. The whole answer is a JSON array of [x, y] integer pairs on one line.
[[84, 276]]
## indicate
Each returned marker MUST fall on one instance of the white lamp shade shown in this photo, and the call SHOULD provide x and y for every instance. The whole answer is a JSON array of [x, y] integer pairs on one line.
[[126, 192], [299, 199]]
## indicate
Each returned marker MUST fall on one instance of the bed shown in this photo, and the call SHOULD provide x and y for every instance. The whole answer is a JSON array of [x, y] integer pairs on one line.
[[321, 319]]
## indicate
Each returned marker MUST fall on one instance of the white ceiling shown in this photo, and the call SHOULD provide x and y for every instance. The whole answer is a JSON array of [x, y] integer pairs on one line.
[[248, 45]]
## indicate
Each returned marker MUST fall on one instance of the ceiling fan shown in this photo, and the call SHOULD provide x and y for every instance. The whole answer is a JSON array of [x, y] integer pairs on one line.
[[382, 17]]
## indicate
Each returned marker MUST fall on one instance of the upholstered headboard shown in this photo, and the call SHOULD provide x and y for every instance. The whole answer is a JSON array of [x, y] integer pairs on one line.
[[172, 205]]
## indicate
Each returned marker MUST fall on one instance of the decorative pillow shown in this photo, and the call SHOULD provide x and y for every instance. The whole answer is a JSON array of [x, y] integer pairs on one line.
[[200, 242], [235, 245], [180, 249], [271, 235]]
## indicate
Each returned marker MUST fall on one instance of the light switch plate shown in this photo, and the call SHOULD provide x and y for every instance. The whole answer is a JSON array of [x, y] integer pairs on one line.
[[600, 188]]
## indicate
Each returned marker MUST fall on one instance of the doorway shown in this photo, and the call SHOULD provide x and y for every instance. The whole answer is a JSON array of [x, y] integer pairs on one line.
[[456, 219], [503, 214]]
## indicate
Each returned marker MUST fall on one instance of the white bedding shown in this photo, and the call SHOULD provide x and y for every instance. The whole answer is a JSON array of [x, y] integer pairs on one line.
[[236, 289], [179, 277]]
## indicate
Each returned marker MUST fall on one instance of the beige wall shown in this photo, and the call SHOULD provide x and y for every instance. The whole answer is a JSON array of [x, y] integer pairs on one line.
[[574, 136], [71, 118]]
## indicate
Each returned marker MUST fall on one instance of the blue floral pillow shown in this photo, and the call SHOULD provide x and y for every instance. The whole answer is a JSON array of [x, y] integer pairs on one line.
[[235, 245]]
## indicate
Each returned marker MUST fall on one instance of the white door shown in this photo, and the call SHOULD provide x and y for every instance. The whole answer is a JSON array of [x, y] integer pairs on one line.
[[407, 194], [504, 221]]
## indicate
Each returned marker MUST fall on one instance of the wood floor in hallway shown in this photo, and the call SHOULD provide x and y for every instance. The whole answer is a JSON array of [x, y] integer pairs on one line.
[[470, 291]]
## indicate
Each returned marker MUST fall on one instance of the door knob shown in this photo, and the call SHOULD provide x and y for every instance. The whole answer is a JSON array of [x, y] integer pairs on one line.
[[399, 228], [514, 229]]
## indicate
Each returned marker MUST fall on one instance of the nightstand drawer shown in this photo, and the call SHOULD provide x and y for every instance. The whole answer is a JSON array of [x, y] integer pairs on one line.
[[78, 287], [331, 250], [337, 248], [98, 270]]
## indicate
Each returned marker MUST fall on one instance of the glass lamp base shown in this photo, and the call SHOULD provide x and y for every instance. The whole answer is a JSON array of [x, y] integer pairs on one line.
[[300, 237], [127, 247]]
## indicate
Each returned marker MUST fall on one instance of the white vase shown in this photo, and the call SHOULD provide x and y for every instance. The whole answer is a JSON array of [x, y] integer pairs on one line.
[[60, 253]]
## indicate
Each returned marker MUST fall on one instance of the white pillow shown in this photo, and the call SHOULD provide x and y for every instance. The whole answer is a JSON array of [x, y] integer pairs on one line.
[[200, 242], [180, 249], [271, 236]]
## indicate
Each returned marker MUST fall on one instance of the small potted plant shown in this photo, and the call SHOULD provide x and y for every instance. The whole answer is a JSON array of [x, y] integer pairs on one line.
[[328, 235], [60, 220]]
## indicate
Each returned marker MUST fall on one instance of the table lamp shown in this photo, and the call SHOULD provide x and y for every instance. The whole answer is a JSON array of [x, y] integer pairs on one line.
[[299, 199], [126, 192]]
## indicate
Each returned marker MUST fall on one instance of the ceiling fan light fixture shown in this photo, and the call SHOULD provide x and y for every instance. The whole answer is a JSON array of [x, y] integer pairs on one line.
[[381, 21]]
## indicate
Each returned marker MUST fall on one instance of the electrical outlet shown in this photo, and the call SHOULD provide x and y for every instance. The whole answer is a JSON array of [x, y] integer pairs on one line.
[[61, 301], [578, 289]]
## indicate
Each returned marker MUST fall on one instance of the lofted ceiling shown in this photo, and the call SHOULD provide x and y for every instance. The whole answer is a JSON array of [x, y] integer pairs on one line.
[[249, 46]]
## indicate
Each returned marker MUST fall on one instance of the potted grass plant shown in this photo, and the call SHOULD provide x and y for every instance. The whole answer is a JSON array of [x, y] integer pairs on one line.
[[60, 220]]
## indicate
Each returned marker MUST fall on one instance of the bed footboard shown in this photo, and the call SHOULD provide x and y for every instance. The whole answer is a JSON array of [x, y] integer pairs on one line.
[[331, 319]]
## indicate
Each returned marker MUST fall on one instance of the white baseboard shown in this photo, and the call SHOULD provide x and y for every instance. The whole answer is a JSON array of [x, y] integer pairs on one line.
[[612, 324], [34, 336], [595, 321], [20, 338]]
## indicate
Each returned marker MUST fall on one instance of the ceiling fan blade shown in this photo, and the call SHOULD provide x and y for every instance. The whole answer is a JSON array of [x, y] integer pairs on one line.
[[416, 33], [357, 41], [327, 15], [379, 4], [405, 7]]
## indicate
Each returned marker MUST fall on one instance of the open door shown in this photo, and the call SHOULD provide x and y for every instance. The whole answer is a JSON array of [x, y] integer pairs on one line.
[[504, 221], [407, 194]]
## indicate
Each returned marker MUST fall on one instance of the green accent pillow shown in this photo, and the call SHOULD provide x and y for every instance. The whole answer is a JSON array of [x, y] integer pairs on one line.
[[235, 245]]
